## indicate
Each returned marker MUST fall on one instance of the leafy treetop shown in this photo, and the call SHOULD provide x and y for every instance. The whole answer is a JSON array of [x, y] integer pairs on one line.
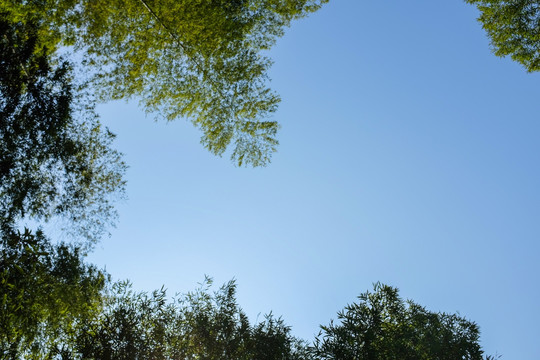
[[202, 60], [381, 325]]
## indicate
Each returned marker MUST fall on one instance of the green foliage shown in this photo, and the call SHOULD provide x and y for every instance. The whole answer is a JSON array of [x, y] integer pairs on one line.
[[197, 325], [55, 161], [55, 157], [384, 326], [196, 59], [46, 292], [514, 29]]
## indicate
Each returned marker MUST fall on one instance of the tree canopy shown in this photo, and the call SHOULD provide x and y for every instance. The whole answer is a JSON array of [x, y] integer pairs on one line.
[[202, 60], [202, 324], [71, 315], [74, 312], [381, 325], [46, 292], [56, 160], [514, 29], [55, 157]]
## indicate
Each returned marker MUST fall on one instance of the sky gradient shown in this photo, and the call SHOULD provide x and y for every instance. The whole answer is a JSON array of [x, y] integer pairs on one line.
[[408, 155]]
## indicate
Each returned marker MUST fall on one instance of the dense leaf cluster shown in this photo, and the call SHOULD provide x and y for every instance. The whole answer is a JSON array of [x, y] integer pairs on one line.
[[58, 308], [118, 323], [514, 29], [46, 292], [384, 326], [55, 157], [198, 325]]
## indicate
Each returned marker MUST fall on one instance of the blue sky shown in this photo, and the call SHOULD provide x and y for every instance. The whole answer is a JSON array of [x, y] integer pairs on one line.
[[408, 155]]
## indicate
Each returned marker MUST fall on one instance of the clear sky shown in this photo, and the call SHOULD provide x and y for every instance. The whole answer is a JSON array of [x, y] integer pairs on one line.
[[408, 155]]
